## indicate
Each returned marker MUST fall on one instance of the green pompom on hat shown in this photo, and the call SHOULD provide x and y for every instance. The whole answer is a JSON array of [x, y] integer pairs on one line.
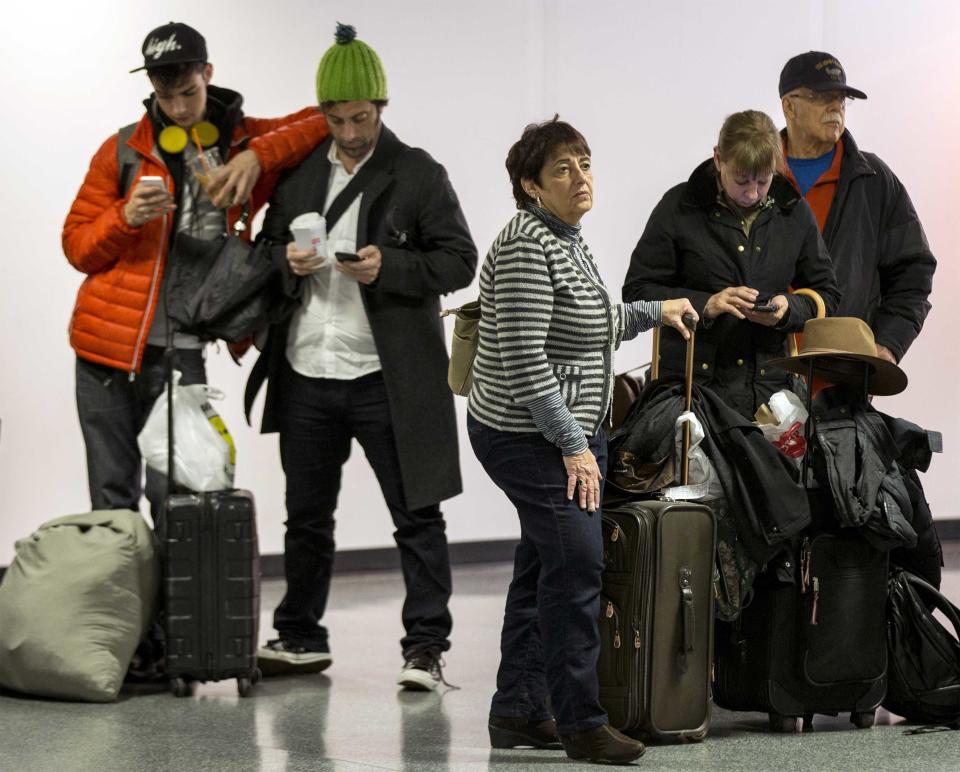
[[350, 70]]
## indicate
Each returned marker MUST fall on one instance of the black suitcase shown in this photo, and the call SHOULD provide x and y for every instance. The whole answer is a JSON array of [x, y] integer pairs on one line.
[[816, 646], [211, 580], [656, 618]]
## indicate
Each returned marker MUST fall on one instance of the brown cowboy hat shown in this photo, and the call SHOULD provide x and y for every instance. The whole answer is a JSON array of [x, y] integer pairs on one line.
[[839, 346]]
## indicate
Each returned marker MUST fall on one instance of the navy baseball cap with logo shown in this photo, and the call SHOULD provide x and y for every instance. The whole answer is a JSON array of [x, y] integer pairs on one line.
[[173, 43], [817, 71]]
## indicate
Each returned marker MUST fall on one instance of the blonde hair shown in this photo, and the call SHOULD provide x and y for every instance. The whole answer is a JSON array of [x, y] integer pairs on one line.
[[750, 143]]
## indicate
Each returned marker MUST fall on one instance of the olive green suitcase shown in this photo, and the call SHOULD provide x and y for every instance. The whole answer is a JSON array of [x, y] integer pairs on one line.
[[656, 618], [656, 609]]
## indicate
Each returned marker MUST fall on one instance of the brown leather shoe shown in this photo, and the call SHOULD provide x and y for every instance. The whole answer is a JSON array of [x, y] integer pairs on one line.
[[602, 744], [519, 732]]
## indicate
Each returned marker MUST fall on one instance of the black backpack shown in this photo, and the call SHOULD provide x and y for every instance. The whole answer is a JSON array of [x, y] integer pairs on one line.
[[924, 657]]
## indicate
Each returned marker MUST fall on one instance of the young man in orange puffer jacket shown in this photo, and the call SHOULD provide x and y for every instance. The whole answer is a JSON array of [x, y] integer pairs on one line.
[[121, 233]]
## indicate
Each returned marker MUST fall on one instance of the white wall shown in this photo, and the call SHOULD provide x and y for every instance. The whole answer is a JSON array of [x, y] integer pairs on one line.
[[648, 84]]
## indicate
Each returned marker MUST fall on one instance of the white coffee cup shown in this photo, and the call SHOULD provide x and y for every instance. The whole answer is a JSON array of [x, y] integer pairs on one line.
[[310, 232]]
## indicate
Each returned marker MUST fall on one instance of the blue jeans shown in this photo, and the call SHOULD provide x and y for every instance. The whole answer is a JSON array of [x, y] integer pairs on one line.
[[112, 410], [318, 419], [550, 643]]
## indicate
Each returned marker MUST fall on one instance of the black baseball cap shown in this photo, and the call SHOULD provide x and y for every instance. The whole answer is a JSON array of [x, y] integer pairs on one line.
[[173, 43], [817, 71]]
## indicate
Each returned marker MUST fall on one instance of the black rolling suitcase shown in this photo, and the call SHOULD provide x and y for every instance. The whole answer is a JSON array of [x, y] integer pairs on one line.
[[211, 582], [656, 613], [816, 646]]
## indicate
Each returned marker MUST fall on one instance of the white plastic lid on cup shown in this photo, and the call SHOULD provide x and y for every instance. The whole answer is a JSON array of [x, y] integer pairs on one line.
[[310, 230]]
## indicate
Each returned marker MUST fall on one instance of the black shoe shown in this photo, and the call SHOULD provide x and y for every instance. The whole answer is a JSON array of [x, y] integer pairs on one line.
[[602, 744], [422, 671], [280, 657], [521, 733]]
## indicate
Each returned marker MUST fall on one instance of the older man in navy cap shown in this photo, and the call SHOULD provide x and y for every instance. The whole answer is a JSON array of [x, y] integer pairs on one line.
[[882, 260]]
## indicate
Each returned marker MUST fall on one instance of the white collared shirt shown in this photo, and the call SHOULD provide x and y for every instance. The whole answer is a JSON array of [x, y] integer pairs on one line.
[[330, 335]]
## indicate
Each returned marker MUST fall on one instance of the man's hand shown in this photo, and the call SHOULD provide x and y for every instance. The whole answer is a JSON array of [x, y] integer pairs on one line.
[[230, 185], [146, 203], [672, 313], [769, 318], [582, 470], [732, 300], [365, 270], [884, 353], [304, 262]]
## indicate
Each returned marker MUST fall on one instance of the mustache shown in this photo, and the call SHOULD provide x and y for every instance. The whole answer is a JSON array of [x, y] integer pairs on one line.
[[833, 117]]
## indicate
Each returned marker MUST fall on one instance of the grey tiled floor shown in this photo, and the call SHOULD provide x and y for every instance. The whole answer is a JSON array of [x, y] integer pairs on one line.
[[353, 718]]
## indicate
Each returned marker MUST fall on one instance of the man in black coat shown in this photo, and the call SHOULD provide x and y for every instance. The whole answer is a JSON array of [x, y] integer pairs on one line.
[[364, 357], [881, 257]]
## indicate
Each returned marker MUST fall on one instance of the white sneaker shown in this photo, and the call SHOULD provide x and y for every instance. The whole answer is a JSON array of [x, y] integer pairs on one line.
[[422, 671]]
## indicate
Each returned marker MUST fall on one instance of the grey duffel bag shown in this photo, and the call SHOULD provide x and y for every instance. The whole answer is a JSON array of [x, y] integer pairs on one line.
[[75, 602]]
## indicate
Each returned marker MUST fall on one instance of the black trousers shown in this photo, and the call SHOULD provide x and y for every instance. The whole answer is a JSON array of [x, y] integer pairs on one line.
[[112, 410], [318, 419]]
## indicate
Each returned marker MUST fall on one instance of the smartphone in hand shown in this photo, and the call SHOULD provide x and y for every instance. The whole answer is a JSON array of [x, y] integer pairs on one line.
[[149, 179], [347, 257], [764, 304]]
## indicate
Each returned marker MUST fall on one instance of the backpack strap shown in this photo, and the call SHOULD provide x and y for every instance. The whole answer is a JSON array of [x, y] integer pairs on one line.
[[128, 159]]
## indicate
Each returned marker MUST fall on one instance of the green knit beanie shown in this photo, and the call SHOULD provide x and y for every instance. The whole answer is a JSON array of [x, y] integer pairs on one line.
[[350, 70]]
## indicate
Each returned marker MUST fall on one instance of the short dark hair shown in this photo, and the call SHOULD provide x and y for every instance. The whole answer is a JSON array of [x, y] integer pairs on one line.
[[171, 75], [529, 153], [378, 103]]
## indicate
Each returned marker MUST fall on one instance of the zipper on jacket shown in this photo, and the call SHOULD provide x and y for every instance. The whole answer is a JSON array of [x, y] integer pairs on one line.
[[816, 598], [804, 566], [608, 351], [150, 296]]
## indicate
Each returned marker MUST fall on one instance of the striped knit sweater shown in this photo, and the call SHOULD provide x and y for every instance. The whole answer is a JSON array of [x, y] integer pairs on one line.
[[548, 327]]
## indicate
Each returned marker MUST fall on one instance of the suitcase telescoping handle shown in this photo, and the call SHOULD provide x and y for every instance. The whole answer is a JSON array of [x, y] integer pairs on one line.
[[691, 325]]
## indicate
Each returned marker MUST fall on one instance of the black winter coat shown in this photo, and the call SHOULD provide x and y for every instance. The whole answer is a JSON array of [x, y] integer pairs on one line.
[[880, 254], [694, 247], [410, 211], [766, 501]]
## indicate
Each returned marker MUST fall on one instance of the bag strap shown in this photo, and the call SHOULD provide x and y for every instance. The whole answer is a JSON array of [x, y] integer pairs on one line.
[[128, 159], [360, 180], [940, 601]]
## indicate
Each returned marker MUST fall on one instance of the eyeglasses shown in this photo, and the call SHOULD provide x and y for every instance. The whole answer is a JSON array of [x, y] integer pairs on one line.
[[826, 97]]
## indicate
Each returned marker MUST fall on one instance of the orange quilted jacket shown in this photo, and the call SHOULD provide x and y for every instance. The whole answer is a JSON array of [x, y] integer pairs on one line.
[[124, 265]]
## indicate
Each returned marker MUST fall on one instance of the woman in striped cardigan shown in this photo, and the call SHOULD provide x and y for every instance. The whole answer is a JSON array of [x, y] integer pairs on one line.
[[542, 384]]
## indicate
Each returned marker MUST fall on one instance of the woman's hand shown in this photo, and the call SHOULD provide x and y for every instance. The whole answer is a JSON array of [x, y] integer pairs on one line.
[[582, 468], [304, 262], [769, 318], [672, 313], [732, 300]]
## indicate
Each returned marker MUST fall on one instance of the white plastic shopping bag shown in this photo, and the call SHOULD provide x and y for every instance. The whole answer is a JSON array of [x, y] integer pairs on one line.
[[783, 422], [204, 453], [702, 480]]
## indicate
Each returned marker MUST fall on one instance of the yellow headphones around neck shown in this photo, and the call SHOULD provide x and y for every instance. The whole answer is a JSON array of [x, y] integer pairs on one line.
[[173, 139]]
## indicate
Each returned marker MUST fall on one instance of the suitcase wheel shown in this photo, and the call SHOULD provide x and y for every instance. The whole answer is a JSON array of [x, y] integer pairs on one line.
[[785, 724], [180, 687], [863, 720], [244, 685]]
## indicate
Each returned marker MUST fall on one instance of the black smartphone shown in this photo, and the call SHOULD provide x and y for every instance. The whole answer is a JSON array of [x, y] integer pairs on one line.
[[347, 257], [764, 304]]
